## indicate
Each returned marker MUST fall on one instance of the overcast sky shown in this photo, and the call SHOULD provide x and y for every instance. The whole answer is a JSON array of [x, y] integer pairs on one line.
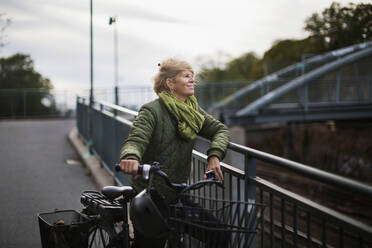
[[56, 34]]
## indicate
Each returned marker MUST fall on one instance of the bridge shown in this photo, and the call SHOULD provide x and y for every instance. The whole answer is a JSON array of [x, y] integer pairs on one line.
[[317, 88], [288, 219], [336, 85]]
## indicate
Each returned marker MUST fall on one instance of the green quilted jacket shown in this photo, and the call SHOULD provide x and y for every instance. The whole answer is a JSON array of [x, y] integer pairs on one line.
[[154, 137]]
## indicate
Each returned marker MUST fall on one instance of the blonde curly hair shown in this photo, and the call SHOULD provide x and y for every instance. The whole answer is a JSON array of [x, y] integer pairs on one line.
[[169, 68]]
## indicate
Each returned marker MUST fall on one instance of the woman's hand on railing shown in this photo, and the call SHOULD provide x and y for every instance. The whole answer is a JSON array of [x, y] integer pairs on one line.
[[214, 165]]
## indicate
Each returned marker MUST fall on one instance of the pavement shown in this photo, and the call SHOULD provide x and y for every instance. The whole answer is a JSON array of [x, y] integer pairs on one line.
[[40, 172]]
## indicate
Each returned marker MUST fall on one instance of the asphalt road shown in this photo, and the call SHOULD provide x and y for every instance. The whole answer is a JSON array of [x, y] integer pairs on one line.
[[35, 177]]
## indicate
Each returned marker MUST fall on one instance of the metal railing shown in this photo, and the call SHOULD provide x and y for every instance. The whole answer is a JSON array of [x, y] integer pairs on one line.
[[25, 103], [293, 70], [320, 92], [287, 220]]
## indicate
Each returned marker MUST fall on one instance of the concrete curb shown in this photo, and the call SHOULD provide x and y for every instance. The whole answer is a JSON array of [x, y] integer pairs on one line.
[[100, 175]]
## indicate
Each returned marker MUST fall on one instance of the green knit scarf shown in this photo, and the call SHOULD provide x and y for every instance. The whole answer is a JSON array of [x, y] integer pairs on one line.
[[189, 119]]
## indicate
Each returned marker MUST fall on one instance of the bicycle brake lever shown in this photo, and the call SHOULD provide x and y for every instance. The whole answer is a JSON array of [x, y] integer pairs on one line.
[[211, 175]]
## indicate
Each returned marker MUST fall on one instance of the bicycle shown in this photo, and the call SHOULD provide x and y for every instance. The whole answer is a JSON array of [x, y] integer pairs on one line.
[[106, 224]]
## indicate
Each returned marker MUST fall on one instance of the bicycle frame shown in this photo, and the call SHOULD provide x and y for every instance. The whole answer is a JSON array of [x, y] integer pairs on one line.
[[108, 221]]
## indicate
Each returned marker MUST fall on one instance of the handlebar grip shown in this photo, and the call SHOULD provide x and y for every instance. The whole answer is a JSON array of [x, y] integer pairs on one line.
[[139, 172]]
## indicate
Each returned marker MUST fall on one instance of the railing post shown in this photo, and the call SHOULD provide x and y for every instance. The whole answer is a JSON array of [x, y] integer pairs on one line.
[[250, 173], [338, 78], [90, 125], [24, 103], [116, 95], [370, 90], [78, 114], [358, 83], [250, 188]]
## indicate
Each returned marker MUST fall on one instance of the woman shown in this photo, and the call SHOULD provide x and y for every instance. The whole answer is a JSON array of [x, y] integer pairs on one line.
[[165, 130]]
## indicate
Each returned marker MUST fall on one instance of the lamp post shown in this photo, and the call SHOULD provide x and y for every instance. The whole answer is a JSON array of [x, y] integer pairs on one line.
[[91, 98], [91, 54], [112, 21]]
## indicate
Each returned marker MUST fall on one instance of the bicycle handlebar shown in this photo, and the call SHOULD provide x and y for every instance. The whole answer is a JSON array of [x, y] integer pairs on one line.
[[146, 171]]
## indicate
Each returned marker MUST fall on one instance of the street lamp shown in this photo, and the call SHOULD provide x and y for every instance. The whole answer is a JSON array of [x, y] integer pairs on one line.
[[91, 54], [112, 21], [91, 98]]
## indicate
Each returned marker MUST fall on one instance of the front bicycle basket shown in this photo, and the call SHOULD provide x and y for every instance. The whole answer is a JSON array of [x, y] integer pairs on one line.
[[63, 229], [216, 223]]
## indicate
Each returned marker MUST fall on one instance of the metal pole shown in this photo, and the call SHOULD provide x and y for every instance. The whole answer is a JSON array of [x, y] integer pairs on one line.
[[250, 188], [112, 21], [116, 65], [338, 78], [91, 54], [24, 103], [91, 98]]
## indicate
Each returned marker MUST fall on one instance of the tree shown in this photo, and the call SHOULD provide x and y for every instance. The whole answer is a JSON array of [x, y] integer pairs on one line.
[[241, 67], [339, 26], [16, 75], [17, 71], [286, 52], [237, 69], [23, 91]]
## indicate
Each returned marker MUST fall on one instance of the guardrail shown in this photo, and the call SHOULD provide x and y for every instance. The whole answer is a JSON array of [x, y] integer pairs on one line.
[[28, 103], [288, 219]]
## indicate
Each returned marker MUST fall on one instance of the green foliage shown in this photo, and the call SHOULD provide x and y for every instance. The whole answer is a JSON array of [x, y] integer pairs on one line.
[[237, 69], [213, 74], [339, 26], [287, 52], [335, 28], [17, 71], [22, 89], [241, 67]]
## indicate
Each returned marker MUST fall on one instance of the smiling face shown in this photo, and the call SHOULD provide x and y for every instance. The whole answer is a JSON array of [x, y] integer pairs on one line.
[[182, 85]]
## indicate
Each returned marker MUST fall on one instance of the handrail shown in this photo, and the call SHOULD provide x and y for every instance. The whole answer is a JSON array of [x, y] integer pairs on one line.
[[314, 173], [276, 75], [270, 97], [231, 169], [302, 201], [117, 107]]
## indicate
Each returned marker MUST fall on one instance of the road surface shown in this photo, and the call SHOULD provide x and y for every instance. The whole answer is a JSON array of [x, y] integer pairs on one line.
[[38, 174]]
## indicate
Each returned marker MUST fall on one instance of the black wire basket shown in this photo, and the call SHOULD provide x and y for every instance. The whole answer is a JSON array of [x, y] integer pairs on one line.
[[215, 223], [63, 229]]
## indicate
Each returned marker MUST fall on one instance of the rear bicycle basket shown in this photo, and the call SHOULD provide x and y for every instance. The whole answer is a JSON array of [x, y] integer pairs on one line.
[[63, 229], [215, 223], [96, 203]]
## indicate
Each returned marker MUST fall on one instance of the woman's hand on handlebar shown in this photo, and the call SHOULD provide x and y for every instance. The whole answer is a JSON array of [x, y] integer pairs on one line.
[[214, 165], [129, 166]]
